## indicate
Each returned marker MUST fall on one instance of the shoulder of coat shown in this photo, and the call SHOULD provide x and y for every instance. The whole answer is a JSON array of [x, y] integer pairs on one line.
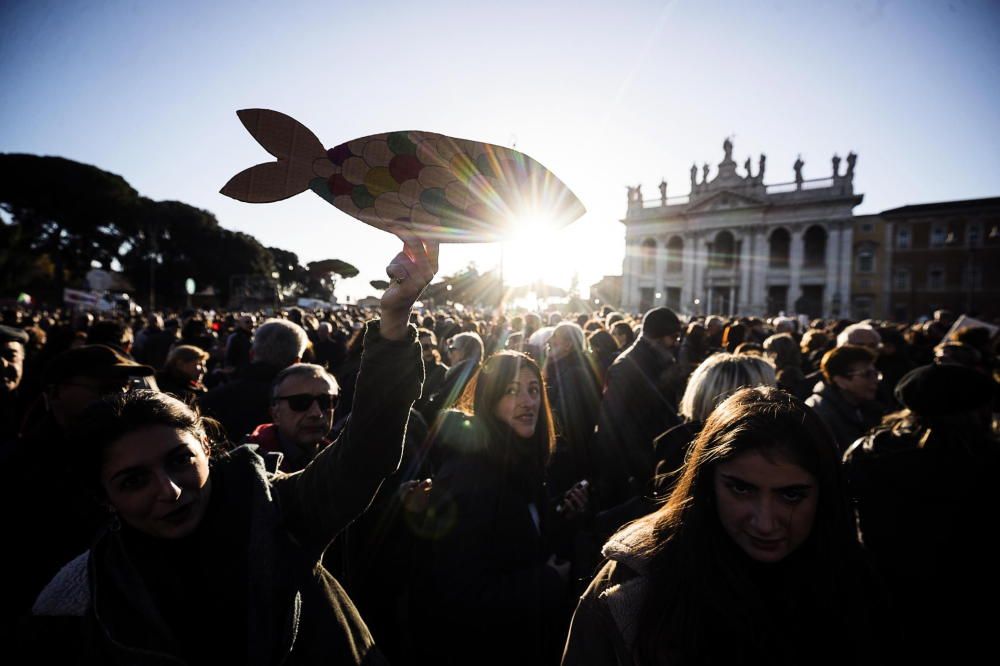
[[68, 593]]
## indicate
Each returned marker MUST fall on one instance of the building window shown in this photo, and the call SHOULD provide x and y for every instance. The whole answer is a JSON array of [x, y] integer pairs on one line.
[[867, 228], [865, 283], [901, 279], [675, 253], [779, 248], [862, 307], [722, 253], [865, 261], [903, 238], [815, 247], [648, 254], [935, 278], [939, 234], [975, 234], [674, 298]]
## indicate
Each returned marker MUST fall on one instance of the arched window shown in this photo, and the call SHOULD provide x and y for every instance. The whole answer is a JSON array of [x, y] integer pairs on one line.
[[815, 247], [675, 253], [780, 245], [648, 253], [722, 253]]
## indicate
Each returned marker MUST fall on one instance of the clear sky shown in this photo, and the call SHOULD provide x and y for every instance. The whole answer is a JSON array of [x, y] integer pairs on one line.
[[605, 94]]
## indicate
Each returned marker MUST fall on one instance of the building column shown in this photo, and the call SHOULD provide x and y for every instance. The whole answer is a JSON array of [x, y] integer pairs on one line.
[[761, 257], [688, 267], [846, 265], [660, 268], [746, 257], [627, 279], [832, 262], [795, 257], [699, 272]]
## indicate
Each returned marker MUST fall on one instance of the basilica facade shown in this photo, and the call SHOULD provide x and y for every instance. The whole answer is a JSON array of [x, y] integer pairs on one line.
[[737, 245]]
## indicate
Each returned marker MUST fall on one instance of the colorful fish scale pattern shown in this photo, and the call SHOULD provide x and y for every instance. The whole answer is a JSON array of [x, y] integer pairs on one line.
[[454, 188]]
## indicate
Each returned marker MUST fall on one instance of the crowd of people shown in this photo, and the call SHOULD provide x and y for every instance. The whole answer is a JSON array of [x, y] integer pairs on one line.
[[440, 486]]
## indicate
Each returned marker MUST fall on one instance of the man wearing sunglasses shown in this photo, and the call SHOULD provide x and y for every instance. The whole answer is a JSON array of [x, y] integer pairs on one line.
[[303, 398]]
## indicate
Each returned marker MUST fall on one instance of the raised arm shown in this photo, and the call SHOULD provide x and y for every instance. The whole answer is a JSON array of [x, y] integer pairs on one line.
[[339, 484]]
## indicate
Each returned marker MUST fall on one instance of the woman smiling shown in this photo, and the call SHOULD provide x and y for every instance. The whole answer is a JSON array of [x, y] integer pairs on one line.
[[493, 587], [215, 560]]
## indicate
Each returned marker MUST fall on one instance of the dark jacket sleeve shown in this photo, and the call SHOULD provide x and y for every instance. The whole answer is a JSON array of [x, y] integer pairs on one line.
[[339, 483], [593, 636]]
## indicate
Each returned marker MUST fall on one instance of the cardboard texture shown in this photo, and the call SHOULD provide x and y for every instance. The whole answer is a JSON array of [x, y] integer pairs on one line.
[[440, 187]]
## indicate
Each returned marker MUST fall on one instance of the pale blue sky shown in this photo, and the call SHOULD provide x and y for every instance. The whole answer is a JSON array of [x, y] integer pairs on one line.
[[604, 94]]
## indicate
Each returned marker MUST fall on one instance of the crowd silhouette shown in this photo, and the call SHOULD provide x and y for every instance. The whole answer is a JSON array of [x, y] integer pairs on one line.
[[435, 486]]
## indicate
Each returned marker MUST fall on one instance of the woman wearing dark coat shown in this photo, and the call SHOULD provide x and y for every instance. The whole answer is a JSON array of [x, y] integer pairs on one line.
[[575, 398], [494, 593], [219, 561], [752, 560]]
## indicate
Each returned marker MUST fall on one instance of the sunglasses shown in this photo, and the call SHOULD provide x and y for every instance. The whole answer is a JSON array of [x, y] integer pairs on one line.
[[300, 402]]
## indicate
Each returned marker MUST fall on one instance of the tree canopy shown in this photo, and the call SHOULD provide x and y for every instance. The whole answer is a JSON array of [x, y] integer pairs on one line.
[[61, 218]]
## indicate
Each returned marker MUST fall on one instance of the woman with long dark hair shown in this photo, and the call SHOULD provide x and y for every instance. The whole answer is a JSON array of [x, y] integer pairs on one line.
[[211, 559], [494, 588], [753, 559]]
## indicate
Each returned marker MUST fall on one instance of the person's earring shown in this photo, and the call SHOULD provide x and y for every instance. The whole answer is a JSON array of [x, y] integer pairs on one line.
[[114, 523]]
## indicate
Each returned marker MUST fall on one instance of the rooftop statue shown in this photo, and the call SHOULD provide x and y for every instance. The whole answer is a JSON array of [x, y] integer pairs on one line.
[[798, 170], [727, 146], [851, 160], [836, 165]]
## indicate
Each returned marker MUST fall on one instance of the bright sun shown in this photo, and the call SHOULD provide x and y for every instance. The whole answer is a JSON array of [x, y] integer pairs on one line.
[[533, 254]]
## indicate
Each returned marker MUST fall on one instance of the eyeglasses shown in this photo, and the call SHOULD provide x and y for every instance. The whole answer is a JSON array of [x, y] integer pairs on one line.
[[870, 373], [300, 402]]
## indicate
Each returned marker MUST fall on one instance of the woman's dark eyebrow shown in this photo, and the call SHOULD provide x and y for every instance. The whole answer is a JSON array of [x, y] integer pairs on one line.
[[136, 468], [793, 486], [733, 477], [797, 486]]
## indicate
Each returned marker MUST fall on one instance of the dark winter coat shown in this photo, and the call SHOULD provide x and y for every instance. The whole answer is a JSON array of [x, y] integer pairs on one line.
[[639, 403], [845, 421], [243, 403], [489, 596], [926, 503], [575, 399], [257, 553]]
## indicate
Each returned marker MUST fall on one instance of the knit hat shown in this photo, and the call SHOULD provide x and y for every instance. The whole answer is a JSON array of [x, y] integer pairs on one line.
[[939, 390], [660, 322]]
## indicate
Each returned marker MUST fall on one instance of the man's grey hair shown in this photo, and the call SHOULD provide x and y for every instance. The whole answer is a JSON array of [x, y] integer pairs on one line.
[[470, 344], [849, 336], [309, 370], [279, 342]]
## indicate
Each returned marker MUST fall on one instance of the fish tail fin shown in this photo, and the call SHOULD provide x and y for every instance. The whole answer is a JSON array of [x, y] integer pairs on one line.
[[286, 139]]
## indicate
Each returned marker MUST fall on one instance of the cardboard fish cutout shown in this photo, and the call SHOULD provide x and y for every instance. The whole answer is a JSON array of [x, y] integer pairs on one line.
[[452, 190]]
